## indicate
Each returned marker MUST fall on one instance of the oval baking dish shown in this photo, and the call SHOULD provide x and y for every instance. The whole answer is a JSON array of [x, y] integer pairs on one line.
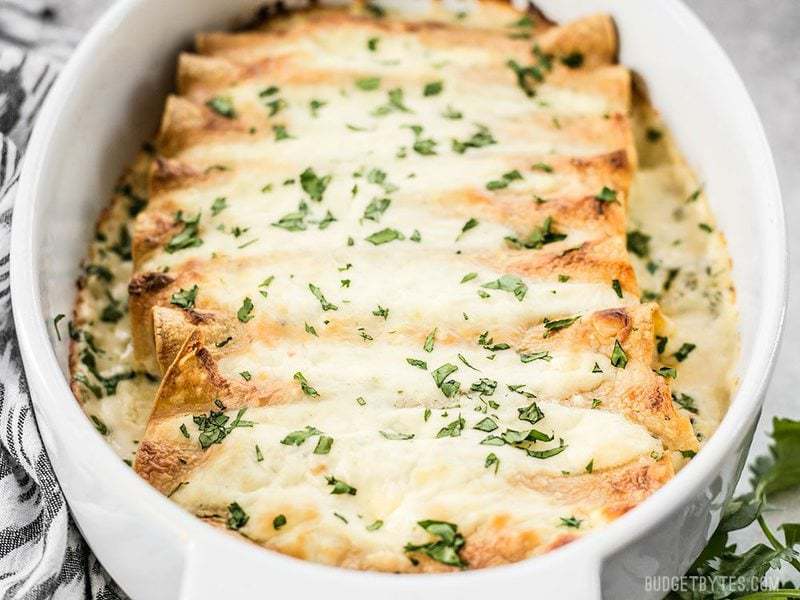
[[107, 100]]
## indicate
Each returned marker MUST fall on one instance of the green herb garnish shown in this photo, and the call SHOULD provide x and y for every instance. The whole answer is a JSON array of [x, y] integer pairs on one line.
[[319, 296], [509, 283], [223, 106], [340, 487], [187, 237], [433, 88], [683, 352], [618, 357], [245, 312], [307, 389], [184, 298], [538, 237], [368, 84], [446, 549], [237, 518], [314, 185], [384, 236], [214, 427]]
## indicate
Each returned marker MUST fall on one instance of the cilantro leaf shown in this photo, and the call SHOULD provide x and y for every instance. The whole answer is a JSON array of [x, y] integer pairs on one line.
[[509, 283], [446, 549]]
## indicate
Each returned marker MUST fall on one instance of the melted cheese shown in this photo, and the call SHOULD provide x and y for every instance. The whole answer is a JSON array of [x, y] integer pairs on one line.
[[263, 346]]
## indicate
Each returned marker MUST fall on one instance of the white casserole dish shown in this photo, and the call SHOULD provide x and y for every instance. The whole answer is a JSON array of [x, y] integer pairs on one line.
[[107, 101]]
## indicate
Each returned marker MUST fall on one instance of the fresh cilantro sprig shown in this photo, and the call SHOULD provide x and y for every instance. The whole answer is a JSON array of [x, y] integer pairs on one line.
[[722, 571]]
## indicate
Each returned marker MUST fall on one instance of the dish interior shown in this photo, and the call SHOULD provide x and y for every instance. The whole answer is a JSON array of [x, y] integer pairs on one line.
[[745, 205], [545, 182]]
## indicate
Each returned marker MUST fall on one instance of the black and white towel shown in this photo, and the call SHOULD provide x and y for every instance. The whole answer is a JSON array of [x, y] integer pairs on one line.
[[42, 553]]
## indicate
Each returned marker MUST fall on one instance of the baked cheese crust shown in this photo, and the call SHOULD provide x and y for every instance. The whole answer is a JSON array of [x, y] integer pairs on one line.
[[383, 276]]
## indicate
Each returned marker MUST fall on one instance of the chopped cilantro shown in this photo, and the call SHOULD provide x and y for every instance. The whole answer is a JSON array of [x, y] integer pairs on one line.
[[297, 438], [527, 357], [395, 104], [452, 113], [607, 195], [683, 352], [368, 84], [446, 549], [187, 237], [618, 357], [638, 243], [434, 88], [573, 60], [319, 296], [509, 283], [376, 208], [237, 518], [538, 237], [307, 389], [470, 224], [505, 181], [429, 341], [56, 321], [280, 133], [340, 487], [294, 221], [184, 298], [695, 195], [571, 522], [653, 134], [487, 424], [314, 105], [396, 436], [422, 146], [685, 401], [492, 461], [214, 427], [324, 444], [384, 236], [218, 205], [449, 387], [275, 106], [326, 220], [479, 139], [245, 312], [667, 372], [453, 429], [314, 185], [101, 427], [558, 324], [223, 106]]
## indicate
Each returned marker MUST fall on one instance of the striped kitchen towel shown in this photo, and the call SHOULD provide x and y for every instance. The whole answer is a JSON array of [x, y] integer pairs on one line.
[[42, 553]]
